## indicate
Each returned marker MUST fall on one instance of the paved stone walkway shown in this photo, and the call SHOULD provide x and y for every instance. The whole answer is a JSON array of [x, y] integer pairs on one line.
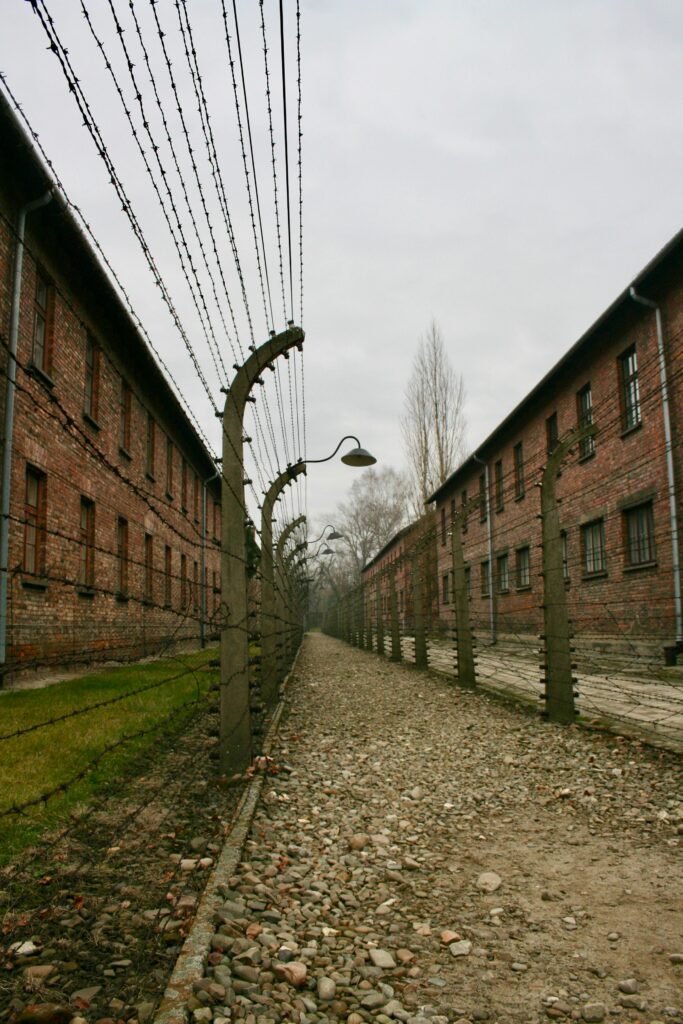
[[422, 852]]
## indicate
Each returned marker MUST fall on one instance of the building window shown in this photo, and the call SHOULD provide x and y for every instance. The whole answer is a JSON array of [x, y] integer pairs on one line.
[[168, 577], [217, 592], [485, 579], [483, 510], [183, 485], [519, 470], [92, 377], [443, 524], [498, 471], [125, 407], [149, 568], [565, 553], [503, 573], [196, 498], [34, 522], [630, 388], [468, 581], [42, 323], [552, 434], [640, 535], [584, 416], [183, 582], [151, 439], [523, 568], [593, 545], [463, 509], [86, 572], [216, 520], [195, 587], [122, 557], [445, 589], [169, 468]]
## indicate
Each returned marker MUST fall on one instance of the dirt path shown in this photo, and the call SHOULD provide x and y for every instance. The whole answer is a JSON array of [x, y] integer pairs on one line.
[[396, 794]]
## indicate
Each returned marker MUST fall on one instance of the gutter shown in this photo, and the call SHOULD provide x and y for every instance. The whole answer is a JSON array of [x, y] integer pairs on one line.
[[673, 510], [8, 432]]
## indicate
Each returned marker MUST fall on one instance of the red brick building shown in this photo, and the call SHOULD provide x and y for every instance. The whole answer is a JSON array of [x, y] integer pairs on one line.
[[110, 482], [619, 494], [398, 553]]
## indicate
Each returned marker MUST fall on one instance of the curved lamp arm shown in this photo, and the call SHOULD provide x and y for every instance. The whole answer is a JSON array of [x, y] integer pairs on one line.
[[356, 457]]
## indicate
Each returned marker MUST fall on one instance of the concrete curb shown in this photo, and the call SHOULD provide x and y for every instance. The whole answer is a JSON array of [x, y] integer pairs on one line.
[[191, 962]]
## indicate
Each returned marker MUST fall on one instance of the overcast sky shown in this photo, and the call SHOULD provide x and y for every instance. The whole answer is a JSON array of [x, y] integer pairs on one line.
[[504, 167]]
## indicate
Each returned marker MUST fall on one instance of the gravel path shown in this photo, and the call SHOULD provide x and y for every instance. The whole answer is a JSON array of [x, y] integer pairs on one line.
[[424, 852]]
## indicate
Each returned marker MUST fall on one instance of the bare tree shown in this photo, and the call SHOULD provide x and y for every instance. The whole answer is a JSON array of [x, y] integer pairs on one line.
[[433, 420], [376, 509]]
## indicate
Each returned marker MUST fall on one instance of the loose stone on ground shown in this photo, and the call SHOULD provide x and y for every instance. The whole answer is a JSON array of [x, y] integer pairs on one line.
[[398, 870]]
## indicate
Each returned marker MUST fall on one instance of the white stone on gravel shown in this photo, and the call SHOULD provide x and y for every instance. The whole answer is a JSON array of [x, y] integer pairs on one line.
[[489, 881], [382, 959], [462, 948]]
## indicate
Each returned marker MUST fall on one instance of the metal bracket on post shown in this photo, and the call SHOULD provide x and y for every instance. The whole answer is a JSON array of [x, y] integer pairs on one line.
[[268, 624], [235, 718]]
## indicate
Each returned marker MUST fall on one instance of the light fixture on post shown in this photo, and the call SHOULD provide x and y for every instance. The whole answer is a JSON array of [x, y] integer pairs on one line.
[[358, 457]]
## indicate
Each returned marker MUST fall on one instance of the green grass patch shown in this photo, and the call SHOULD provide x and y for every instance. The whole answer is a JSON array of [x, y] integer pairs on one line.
[[143, 702]]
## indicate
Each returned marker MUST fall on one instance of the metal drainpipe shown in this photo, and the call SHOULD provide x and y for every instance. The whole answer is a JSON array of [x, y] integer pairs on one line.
[[673, 511], [35, 204], [202, 590], [489, 521]]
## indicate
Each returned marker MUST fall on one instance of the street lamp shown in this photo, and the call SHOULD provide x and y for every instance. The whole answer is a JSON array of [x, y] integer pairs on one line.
[[358, 457], [331, 536]]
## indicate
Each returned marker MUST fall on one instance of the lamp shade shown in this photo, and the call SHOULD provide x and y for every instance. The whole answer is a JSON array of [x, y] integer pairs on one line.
[[334, 535], [359, 457]]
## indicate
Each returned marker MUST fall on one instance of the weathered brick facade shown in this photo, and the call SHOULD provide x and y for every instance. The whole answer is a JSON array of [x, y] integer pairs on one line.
[[623, 585], [107, 470]]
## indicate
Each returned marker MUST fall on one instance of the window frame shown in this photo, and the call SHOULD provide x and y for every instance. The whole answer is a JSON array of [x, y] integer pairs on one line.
[[35, 521], [485, 577], [169, 468], [628, 514], [125, 416], [629, 390], [503, 573], [587, 552], [584, 417], [523, 567], [518, 462], [445, 589], [44, 313], [499, 483], [122, 556], [148, 580], [86, 534], [91, 388], [150, 446]]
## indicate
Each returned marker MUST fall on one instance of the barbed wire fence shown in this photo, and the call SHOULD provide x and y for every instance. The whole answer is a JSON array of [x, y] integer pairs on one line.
[[165, 612], [435, 600]]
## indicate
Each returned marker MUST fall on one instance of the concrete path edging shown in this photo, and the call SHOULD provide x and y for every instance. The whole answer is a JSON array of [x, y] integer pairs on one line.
[[191, 963]]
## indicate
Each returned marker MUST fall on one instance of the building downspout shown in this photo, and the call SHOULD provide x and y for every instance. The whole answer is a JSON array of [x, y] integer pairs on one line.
[[202, 578], [673, 510], [8, 432], [489, 523]]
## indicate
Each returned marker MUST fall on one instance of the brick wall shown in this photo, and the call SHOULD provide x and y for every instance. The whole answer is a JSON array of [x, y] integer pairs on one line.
[[52, 617]]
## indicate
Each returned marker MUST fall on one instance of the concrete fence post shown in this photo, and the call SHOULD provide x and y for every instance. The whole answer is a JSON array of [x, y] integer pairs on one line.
[[463, 626], [559, 683], [418, 609], [379, 614], [396, 654]]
